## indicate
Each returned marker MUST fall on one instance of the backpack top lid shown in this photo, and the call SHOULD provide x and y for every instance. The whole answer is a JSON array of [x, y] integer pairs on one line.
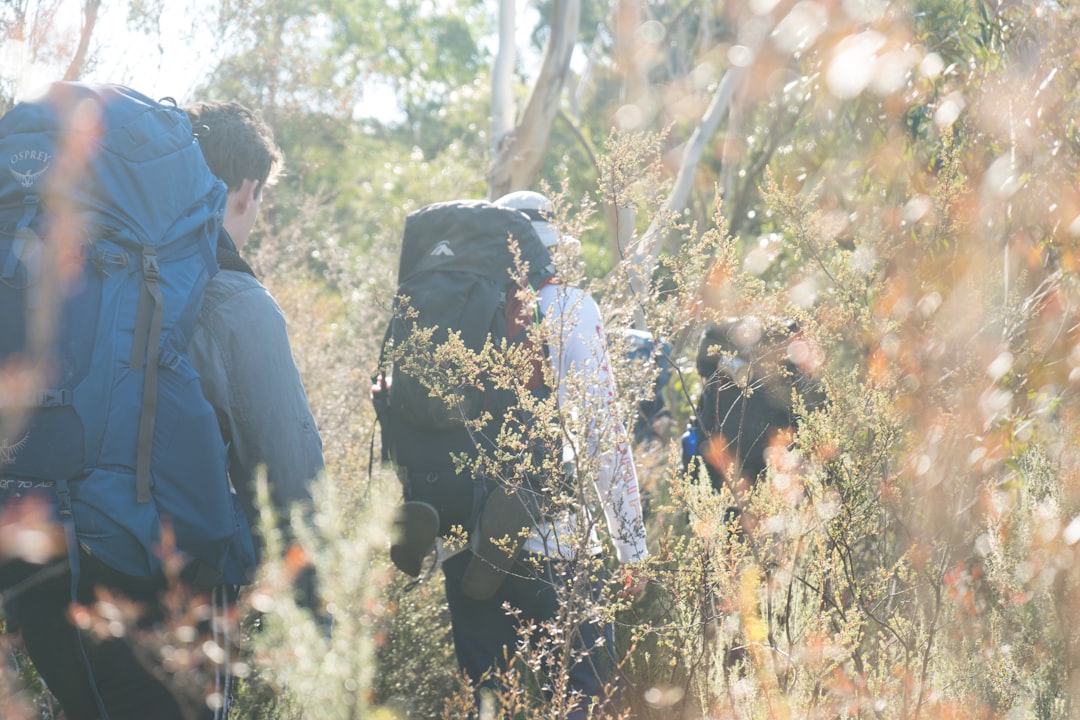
[[746, 338], [471, 236], [128, 161]]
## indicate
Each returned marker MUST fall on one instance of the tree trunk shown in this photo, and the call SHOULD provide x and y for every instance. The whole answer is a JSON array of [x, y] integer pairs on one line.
[[520, 153], [502, 77], [78, 62]]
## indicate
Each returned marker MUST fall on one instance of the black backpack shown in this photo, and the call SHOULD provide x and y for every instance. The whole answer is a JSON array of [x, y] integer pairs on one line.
[[746, 394], [457, 275]]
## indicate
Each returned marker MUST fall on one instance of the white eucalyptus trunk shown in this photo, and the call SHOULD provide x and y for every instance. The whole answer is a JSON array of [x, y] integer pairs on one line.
[[520, 153]]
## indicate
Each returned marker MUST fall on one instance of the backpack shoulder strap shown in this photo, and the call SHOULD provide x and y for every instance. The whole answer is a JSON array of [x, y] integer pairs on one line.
[[515, 313], [518, 320]]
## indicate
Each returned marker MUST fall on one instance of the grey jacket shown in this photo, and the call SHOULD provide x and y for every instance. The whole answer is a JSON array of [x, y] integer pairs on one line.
[[241, 350]]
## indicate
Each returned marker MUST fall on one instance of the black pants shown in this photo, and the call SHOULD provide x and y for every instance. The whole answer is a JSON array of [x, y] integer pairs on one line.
[[131, 677], [485, 634]]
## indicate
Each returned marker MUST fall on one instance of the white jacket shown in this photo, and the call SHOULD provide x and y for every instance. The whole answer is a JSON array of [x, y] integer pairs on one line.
[[586, 388]]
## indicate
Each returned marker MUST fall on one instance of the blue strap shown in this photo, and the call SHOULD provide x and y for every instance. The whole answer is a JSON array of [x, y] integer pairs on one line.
[[67, 518], [23, 233], [30, 210], [208, 246]]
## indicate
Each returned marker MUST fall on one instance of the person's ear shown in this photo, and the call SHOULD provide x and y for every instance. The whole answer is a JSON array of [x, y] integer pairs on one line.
[[246, 194]]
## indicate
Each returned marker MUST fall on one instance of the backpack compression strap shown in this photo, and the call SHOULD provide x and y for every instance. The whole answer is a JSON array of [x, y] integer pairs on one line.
[[71, 540], [148, 322], [148, 319]]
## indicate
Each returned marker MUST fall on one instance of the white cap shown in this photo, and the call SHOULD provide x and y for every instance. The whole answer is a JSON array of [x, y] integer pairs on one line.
[[540, 211]]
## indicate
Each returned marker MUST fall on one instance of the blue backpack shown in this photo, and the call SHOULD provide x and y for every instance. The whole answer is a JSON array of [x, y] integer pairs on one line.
[[109, 222]]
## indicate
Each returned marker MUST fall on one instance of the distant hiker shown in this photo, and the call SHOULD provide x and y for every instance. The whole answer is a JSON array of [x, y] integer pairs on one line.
[[745, 408], [652, 415], [532, 578], [180, 373]]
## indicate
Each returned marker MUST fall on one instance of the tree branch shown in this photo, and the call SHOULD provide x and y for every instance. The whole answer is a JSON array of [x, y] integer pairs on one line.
[[78, 62], [645, 255]]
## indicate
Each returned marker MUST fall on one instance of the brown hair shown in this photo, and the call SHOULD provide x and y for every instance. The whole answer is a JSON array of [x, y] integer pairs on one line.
[[236, 143]]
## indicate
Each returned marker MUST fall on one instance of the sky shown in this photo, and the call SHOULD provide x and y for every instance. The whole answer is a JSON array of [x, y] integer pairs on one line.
[[169, 65], [173, 63]]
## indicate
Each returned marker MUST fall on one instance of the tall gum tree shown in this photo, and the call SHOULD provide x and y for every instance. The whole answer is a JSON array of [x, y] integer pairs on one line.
[[518, 153], [648, 68]]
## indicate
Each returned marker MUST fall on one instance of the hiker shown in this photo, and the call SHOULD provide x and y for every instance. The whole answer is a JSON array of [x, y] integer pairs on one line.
[[241, 352], [241, 346], [484, 633], [653, 419], [477, 464], [745, 407]]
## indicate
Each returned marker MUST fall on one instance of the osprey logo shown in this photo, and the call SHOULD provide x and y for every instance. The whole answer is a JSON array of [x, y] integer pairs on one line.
[[28, 166], [8, 451], [443, 248]]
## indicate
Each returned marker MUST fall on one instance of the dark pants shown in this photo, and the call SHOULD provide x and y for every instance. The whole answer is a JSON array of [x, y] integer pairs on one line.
[[132, 682], [485, 635]]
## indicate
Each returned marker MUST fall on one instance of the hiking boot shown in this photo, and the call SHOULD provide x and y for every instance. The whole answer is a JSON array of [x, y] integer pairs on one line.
[[412, 536], [505, 514]]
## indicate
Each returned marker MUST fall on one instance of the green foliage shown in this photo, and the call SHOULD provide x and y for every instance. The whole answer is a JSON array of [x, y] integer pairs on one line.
[[910, 552], [322, 660]]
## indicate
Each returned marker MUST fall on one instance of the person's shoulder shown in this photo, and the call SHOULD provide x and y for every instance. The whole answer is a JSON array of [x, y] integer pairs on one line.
[[230, 282], [564, 293], [574, 299], [234, 289]]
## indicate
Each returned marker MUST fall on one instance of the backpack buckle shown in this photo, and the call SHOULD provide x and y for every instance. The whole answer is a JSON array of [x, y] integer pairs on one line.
[[47, 398], [151, 271], [169, 359], [63, 499]]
